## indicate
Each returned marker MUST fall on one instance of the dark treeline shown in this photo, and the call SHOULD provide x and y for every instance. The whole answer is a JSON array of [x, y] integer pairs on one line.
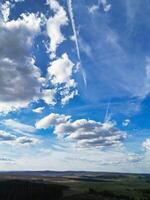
[[40, 190], [29, 190]]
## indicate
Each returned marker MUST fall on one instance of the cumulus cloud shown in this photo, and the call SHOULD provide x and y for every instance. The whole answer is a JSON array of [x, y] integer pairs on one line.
[[91, 133], [85, 133], [48, 95], [51, 120], [38, 110], [67, 95], [60, 74], [61, 70], [146, 144], [20, 78], [54, 25]]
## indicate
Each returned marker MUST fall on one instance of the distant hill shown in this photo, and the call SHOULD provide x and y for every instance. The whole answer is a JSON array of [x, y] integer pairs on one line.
[[70, 174]]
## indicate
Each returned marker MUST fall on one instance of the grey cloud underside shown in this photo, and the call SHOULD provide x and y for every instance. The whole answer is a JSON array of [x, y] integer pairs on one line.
[[85, 133], [4, 159], [91, 133], [20, 78], [6, 136], [17, 133], [11, 139], [18, 81]]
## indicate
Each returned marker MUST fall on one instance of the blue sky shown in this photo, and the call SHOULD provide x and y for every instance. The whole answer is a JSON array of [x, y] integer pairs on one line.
[[74, 85]]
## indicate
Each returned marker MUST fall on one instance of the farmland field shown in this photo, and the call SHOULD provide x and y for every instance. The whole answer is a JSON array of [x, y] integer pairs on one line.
[[74, 186]]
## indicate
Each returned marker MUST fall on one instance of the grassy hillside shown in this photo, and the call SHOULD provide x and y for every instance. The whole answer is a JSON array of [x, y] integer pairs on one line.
[[120, 187]]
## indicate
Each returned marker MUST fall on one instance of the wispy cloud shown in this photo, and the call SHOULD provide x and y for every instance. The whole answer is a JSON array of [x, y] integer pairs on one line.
[[17, 126], [146, 144], [12, 139], [38, 110]]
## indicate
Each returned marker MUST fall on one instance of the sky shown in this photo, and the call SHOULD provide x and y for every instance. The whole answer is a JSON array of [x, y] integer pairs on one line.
[[75, 85]]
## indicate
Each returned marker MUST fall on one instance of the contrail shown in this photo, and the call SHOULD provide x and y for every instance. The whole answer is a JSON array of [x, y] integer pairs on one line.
[[70, 10], [107, 117]]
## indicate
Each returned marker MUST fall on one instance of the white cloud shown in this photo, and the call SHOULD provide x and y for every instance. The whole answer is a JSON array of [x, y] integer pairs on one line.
[[54, 25], [118, 159], [93, 8], [16, 126], [106, 6], [48, 95], [61, 70], [11, 139], [4, 136], [85, 133], [134, 158], [146, 144], [18, 1], [5, 10], [67, 96], [38, 110], [20, 78], [126, 122], [51, 120], [5, 159], [89, 133], [27, 140], [77, 160], [60, 74]]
